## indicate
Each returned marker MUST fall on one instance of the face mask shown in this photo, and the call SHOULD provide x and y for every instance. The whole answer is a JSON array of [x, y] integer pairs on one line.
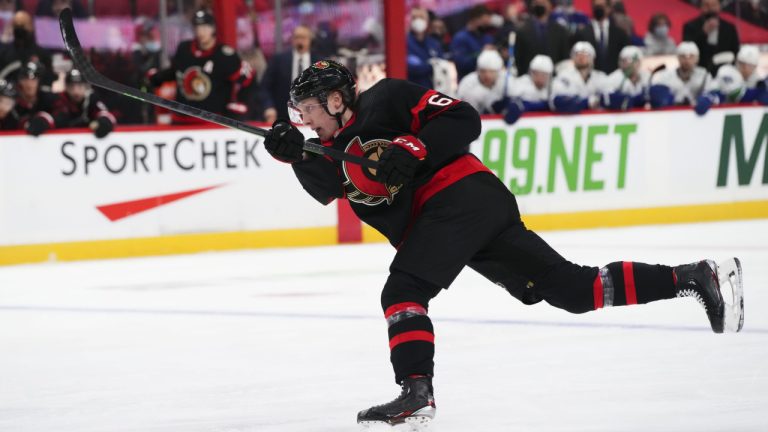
[[661, 31], [21, 35], [152, 46], [598, 12], [419, 25], [539, 10]]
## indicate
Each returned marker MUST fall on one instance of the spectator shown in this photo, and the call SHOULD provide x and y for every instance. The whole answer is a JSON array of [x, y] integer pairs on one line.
[[467, 44], [282, 69], [33, 104], [439, 31], [52, 8], [9, 119], [627, 86], [657, 39], [567, 15], [25, 49], [77, 106], [145, 58], [422, 48], [625, 22], [754, 11], [540, 34], [531, 92], [209, 75], [580, 87], [605, 35], [485, 86], [683, 85], [712, 35]]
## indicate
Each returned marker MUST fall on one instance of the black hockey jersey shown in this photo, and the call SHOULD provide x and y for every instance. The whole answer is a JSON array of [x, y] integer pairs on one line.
[[389, 109], [69, 114], [41, 107], [208, 79]]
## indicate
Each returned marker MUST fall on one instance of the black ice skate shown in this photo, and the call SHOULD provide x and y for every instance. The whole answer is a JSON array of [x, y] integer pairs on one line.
[[415, 406], [703, 281]]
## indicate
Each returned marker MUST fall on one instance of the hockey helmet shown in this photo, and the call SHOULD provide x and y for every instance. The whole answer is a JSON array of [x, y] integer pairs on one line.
[[74, 76], [30, 70], [318, 80], [7, 89], [583, 47], [730, 82], [203, 17]]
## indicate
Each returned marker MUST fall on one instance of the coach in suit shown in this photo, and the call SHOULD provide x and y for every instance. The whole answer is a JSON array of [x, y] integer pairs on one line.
[[282, 69], [541, 35], [711, 34], [605, 35]]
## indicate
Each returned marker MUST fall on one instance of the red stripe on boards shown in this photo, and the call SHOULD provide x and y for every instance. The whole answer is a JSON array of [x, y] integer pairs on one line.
[[416, 335], [629, 283]]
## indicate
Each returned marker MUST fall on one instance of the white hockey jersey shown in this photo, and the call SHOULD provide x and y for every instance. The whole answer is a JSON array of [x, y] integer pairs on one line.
[[524, 88], [685, 92], [617, 81], [480, 96], [570, 83]]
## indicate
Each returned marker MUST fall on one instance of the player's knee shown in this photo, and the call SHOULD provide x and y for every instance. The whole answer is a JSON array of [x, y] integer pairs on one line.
[[403, 287]]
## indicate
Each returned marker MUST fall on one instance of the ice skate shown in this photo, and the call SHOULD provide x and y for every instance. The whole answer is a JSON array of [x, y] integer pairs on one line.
[[705, 281], [415, 407]]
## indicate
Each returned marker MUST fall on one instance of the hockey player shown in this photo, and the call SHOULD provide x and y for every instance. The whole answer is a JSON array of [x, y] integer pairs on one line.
[[530, 92], [736, 84], [684, 85], [627, 85], [77, 106], [581, 87], [208, 75], [33, 104], [444, 210], [484, 87], [9, 120]]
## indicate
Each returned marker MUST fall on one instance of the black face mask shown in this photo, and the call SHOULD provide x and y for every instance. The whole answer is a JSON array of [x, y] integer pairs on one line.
[[598, 12], [485, 29], [22, 37], [539, 10]]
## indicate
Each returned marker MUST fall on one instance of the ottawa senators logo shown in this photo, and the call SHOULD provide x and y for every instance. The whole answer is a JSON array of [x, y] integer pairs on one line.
[[195, 84], [322, 64], [361, 185]]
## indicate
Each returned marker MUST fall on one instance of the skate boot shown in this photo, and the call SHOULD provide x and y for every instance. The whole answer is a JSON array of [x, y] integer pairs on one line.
[[702, 281], [415, 406]]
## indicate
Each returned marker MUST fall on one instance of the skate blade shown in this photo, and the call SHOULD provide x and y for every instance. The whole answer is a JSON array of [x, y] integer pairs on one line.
[[731, 287], [412, 424]]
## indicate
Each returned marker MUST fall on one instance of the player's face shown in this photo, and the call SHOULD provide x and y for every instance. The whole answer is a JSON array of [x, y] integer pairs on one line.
[[540, 79], [6, 105], [301, 39], [745, 69], [28, 87], [487, 77], [582, 60], [204, 33], [629, 65], [688, 62], [76, 91], [312, 114]]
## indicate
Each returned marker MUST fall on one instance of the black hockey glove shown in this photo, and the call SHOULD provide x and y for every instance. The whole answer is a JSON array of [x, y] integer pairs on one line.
[[37, 125], [102, 126], [284, 142], [398, 162]]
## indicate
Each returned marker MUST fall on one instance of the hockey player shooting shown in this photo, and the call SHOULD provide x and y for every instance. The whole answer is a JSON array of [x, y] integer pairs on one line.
[[444, 210]]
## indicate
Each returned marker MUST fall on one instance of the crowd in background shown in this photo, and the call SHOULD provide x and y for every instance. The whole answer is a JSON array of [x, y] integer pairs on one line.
[[503, 57]]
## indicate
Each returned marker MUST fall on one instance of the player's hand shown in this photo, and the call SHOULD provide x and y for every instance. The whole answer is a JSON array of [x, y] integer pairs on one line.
[[101, 127], [284, 142], [398, 162], [37, 125]]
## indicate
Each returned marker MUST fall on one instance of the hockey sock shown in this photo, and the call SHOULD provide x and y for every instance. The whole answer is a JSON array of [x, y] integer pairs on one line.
[[626, 283]]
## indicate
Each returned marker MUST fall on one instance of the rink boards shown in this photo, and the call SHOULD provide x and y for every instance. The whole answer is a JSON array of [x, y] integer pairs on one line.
[[67, 195]]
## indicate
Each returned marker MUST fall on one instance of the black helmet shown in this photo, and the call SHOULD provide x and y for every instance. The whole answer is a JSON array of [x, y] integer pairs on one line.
[[74, 76], [7, 89], [322, 77], [203, 17], [30, 70]]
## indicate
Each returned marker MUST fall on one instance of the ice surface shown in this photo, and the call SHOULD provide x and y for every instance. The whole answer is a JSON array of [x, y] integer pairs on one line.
[[294, 340]]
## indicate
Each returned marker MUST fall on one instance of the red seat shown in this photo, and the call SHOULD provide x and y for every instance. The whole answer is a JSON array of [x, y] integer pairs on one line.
[[104, 8]]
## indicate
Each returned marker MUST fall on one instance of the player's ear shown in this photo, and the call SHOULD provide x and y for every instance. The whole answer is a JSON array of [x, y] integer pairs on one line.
[[335, 102]]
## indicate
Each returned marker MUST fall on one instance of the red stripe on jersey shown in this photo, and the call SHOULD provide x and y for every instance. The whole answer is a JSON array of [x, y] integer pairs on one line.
[[395, 308], [415, 122], [597, 288], [629, 283], [448, 175], [416, 335]]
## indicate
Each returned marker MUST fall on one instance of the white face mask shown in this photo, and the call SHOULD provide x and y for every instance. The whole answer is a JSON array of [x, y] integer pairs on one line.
[[419, 25]]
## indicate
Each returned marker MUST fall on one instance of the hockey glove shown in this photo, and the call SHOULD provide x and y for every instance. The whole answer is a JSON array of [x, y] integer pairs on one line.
[[102, 126], [499, 105], [661, 96], [515, 109], [398, 162], [37, 125], [704, 103], [284, 142]]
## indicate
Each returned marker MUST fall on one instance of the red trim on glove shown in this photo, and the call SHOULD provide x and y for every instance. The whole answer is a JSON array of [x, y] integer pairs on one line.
[[414, 146]]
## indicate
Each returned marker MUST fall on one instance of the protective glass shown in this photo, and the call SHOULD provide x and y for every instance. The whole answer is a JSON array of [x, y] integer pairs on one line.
[[297, 112]]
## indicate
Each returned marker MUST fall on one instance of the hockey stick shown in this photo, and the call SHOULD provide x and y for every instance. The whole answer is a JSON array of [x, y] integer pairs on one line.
[[72, 43]]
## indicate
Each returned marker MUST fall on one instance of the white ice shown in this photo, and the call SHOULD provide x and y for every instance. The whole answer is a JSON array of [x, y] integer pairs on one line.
[[294, 340]]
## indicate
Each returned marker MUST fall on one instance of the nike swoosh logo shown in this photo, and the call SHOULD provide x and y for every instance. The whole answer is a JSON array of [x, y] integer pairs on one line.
[[122, 210]]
